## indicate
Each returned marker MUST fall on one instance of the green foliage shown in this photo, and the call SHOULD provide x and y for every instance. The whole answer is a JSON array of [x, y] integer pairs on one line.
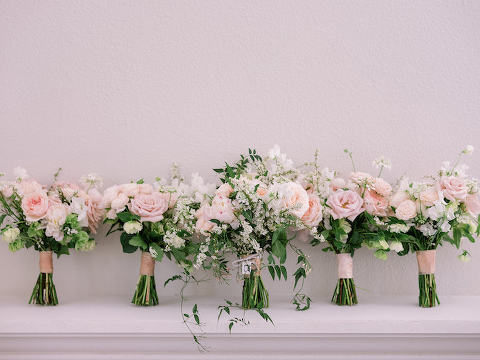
[[16, 244], [241, 320]]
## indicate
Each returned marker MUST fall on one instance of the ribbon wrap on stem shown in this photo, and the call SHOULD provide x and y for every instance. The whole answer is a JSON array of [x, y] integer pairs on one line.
[[147, 264], [426, 261], [345, 266], [46, 262]]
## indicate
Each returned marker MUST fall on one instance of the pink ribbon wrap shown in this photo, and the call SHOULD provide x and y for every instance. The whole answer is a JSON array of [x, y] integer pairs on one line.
[[426, 262], [345, 266], [46, 262], [147, 264]]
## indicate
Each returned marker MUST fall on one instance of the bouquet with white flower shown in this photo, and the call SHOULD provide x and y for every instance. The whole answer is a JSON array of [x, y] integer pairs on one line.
[[158, 220], [425, 214], [52, 220], [349, 208], [249, 216]]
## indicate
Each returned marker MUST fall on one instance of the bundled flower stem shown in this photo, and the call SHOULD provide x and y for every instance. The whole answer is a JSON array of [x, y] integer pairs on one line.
[[254, 293], [44, 292], [426, 279], [146, 292], [345, 293]]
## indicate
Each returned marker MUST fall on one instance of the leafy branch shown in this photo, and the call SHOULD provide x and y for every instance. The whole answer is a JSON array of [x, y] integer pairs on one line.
[[191, 319], [234, 320]]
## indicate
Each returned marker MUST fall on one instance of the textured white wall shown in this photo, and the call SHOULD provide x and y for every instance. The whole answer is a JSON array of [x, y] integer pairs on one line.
[[123, 88]]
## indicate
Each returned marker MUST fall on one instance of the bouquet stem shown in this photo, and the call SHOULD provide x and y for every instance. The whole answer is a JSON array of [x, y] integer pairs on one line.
[[345, 293], [254, 293], [44, 292], [426, 279], [146, 291]]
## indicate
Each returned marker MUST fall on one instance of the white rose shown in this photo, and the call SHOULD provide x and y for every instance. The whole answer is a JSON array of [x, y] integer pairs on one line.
[[292, 197], [132, 227], [396, 246], [11, 234]]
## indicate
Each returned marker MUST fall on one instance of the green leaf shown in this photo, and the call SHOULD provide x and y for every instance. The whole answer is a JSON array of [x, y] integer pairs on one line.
[[284, 272], [230, 327], [197, 319], [272, 272], [126, 216], [2, 218], [138, 241], [173, 278], [158, 250], [127, 248], [457, 236], [278, 271], [195, 309]]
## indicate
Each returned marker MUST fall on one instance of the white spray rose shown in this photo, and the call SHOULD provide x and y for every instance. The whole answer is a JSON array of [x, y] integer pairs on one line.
[[174, 241], [132, 227], [396, 246], [11, 234]]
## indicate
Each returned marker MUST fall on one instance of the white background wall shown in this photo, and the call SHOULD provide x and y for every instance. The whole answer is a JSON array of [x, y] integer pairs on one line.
[[123, 88]]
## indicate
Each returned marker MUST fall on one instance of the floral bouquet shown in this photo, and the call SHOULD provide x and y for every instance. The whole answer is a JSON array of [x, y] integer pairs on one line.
[[249, 216], [349, 207], [158, 220], [52, 220], [425, 214]]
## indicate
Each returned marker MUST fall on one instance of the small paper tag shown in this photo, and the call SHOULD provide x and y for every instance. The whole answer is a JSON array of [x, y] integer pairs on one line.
[[246, 267]]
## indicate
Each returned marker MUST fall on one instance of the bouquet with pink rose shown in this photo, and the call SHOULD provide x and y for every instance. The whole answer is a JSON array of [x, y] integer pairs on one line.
[[157, 219], [51, 220], [350, 206], [425, 214], [258, 201]]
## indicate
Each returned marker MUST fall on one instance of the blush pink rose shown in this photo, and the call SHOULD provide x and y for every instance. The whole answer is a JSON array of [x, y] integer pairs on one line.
[[145, 188], [429, 196], [397, 198], [382, 187], [313, 216], [94, 203], [406, 210], [453, 188], [150, 207], [35, 205], [345, 204], [118, 204], [337, 183], [292, 197], [29, 186], [130, 190], [375, 204], [109, 195], [472, 204], [262, 191], [225, 189], [222, 209], [203, 223]]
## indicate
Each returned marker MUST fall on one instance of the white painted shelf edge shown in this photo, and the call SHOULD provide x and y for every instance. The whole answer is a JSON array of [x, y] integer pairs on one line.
[[111, 328]]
